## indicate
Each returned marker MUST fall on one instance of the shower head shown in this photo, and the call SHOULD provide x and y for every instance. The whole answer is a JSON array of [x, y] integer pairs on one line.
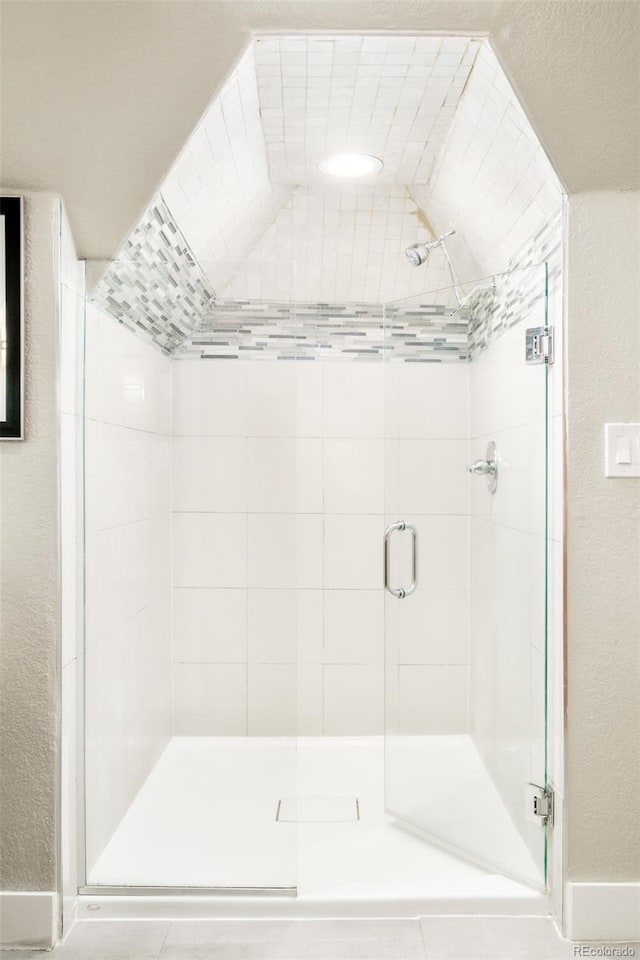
[[418, 253]]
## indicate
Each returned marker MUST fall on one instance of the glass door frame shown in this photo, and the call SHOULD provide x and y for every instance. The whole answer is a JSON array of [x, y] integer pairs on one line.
[[483, 305]]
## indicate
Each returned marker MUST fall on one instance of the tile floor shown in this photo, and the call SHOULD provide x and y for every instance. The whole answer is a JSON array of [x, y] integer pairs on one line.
[[432, 938]]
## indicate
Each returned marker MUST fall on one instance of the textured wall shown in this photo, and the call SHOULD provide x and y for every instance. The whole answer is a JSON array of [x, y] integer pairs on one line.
[[586, 49], [603, 527], [29, 694]]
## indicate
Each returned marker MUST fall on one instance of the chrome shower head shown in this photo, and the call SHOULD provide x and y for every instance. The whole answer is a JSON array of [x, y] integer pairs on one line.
[[418, 253]]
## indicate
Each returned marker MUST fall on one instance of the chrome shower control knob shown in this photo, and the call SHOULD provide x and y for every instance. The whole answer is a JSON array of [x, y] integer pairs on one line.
[[481, 467], [487, 468]]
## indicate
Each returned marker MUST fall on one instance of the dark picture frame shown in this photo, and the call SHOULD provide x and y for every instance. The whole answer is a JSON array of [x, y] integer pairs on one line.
[[11, 319]]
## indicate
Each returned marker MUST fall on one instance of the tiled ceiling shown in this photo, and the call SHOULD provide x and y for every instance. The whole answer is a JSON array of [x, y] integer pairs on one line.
[[392, 97], [248, 196], [493, 176], [345, 244], [220, 190], [458, 151]]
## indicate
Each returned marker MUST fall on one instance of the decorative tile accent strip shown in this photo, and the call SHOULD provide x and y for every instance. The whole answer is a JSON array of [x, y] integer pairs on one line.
[[519, 294], [158, 290], [513, 299], [337, 331], [155, 287]]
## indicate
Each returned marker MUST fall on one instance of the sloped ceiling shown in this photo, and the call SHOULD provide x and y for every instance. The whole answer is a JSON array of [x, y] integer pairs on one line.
[[458, 151], [392, 97], [113, 89], [245, 221], [246, 191], [493, 181], [220, 190], [339, 244]]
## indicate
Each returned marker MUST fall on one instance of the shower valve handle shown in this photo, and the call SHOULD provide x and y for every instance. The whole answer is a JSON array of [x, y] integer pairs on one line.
[[482, 467], [488, 467]]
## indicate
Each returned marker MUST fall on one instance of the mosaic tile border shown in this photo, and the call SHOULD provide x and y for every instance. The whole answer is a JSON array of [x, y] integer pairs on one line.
[[519, 291], [155, 287], [309, 331], [413, 332]]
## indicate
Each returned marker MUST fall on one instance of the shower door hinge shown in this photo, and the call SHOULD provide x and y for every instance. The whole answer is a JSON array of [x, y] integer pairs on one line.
[[541, 804], [539, 345]]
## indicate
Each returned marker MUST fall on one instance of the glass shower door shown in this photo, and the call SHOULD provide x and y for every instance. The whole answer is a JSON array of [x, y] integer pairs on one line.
[[465, 570]]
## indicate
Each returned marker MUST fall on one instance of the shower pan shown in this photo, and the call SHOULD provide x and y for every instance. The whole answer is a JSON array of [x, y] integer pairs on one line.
[[299, 599]]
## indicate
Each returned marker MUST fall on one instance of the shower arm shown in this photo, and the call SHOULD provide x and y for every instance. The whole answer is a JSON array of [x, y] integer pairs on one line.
[[454, 279]]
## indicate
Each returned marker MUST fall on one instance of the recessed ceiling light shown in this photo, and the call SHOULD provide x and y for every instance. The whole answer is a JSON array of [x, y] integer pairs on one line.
[[350, 165]]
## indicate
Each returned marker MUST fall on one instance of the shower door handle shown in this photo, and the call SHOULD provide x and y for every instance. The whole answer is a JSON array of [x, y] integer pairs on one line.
[[400, 593]]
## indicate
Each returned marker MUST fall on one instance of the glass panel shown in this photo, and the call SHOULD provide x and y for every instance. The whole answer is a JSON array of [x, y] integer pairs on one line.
[[193, 562], [466, 650]]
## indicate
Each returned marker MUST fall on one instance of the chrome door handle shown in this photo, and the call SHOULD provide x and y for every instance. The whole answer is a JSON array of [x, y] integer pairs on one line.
[[400, 593], [392, 526]]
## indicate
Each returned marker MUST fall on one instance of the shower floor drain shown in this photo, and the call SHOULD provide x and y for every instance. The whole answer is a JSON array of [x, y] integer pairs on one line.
[[317, 809]]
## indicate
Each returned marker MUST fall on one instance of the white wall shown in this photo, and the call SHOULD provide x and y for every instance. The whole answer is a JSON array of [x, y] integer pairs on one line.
[[71, 557], [278, 518], [128, 639]]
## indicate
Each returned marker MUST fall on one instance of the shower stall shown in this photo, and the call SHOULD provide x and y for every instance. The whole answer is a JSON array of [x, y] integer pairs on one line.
[[317, 593]]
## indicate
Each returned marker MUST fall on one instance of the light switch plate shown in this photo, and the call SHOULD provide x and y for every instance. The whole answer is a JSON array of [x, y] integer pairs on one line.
[[622, 449]]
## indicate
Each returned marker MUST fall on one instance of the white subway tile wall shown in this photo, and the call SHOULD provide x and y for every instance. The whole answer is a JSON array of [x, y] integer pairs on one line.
[[277, 547], [210, 698], [128, 571]]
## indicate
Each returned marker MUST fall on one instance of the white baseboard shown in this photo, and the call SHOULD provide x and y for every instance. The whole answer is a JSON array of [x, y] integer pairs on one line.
[[603, 911], [28, 919]]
